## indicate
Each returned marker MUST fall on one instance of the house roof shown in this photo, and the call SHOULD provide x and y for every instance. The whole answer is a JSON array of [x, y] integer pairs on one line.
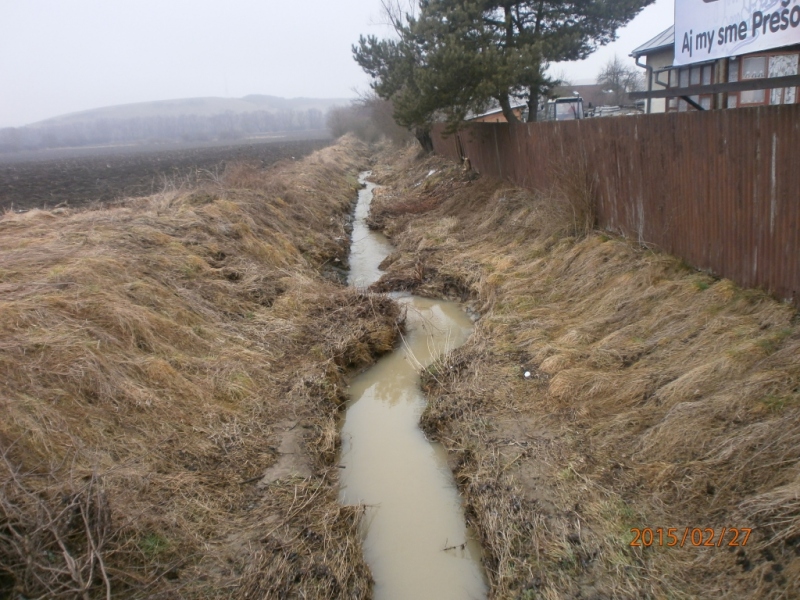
[[665, 39]]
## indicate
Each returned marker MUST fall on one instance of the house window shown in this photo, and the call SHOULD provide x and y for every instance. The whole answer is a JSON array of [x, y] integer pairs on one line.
[[781, 65], [753, 67], [759, 66], [686, 76], [708, 73], [733, 70], [733, 76]]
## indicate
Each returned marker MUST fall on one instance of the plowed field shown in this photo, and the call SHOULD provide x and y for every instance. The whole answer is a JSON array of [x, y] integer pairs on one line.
[[84, 176]]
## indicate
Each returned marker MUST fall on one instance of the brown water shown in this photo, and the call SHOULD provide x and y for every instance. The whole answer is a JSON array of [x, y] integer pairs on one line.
[[415, 538], [368, 248]]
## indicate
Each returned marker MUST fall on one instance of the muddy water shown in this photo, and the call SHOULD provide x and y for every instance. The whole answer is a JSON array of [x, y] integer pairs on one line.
[[368, 248], [415, 539]]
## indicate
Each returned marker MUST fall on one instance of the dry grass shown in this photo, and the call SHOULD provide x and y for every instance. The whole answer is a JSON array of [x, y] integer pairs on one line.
[[657, 396], [314, 549], [148, 353]]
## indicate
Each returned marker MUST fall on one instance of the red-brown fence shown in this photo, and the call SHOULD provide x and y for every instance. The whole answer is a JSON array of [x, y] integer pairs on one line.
[[721, 189]]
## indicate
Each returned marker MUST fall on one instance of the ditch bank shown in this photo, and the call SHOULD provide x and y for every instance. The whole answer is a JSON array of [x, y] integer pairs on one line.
[[172, 371], [607, 388]]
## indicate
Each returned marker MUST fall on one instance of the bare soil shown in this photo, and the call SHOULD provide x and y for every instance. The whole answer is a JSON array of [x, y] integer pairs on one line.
[[81, 177], [656, 396]]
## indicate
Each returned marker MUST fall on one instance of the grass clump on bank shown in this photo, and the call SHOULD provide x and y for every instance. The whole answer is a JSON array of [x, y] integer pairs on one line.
[[656, 396], [154, 355]]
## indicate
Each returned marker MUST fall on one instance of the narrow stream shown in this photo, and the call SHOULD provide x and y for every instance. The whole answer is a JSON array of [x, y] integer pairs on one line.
[[415, 538]]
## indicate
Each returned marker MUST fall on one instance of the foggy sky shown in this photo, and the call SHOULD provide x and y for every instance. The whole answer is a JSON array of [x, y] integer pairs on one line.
[[62, 56]]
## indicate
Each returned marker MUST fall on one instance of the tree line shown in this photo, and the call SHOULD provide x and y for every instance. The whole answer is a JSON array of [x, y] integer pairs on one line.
[[189, 128], [370, 118]]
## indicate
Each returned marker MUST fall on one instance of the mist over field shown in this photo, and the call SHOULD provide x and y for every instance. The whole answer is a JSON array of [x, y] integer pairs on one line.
[[187, 120], [66, 57]]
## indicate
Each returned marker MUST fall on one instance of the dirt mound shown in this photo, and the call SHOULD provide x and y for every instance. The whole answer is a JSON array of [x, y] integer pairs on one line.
[[152, 355], [607, 388]]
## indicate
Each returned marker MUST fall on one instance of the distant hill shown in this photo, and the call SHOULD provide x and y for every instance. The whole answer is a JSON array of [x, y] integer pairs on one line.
[[201, 107], [184, 120]]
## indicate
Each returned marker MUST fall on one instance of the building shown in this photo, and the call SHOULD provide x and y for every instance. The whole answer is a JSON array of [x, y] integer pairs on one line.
[[593, 94], [730, 81], [658, 54], [495, 115]]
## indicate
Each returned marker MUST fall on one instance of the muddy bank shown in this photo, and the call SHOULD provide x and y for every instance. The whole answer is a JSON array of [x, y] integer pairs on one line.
[[171, 376], [607, 388]]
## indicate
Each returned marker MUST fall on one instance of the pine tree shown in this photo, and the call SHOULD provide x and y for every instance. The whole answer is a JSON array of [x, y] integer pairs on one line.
[[459, 56]]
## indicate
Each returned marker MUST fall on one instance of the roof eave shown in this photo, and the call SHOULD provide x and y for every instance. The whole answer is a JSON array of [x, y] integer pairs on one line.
[[652, 50]]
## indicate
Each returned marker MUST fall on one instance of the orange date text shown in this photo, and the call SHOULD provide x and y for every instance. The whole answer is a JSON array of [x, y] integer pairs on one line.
[[690, 536]]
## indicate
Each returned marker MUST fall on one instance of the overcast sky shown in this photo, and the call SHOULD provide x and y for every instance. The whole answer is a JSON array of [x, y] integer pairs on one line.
[[62, 56]]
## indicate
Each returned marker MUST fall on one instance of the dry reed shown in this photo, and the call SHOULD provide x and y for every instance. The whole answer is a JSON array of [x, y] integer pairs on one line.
[[148, 354]]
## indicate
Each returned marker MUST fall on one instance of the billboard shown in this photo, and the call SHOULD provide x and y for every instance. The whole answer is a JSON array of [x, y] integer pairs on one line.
[[710, 29]]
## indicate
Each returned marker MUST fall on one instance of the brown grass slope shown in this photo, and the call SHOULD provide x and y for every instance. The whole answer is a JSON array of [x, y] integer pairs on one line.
[[658, 396], [152, 356]]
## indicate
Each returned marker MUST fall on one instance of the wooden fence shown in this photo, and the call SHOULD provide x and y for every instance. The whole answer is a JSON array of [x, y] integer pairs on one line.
[[720, 189]]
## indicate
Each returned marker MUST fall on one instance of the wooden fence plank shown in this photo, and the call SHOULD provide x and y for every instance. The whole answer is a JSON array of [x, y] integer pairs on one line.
[[720, 189]]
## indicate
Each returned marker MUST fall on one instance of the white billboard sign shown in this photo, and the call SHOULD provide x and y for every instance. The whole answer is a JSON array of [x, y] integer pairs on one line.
[[710, 29]]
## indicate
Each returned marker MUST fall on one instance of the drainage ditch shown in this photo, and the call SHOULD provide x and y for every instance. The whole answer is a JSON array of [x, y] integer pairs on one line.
[[415, 538]]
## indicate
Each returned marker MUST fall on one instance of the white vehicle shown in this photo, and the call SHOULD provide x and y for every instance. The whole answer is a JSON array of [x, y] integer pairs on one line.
[[563, 109]]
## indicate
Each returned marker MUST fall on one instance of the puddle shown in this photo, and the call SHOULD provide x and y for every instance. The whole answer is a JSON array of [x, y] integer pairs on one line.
[[415, 538]]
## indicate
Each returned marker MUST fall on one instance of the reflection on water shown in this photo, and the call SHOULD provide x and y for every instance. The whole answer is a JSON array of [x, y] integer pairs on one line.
[[416, 541]]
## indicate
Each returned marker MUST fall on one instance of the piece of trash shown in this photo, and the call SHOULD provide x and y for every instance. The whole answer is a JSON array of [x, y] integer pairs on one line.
[[527, 374]]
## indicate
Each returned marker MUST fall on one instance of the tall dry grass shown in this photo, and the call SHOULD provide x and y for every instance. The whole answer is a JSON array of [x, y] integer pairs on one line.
[[150, 355], [657, 396]]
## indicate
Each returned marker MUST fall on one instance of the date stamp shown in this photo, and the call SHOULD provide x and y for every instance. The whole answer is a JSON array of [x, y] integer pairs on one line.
[[691, 536]]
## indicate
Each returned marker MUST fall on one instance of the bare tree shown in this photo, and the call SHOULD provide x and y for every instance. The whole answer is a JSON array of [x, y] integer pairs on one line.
[[394, 12], [618, 79], [370, 118]]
